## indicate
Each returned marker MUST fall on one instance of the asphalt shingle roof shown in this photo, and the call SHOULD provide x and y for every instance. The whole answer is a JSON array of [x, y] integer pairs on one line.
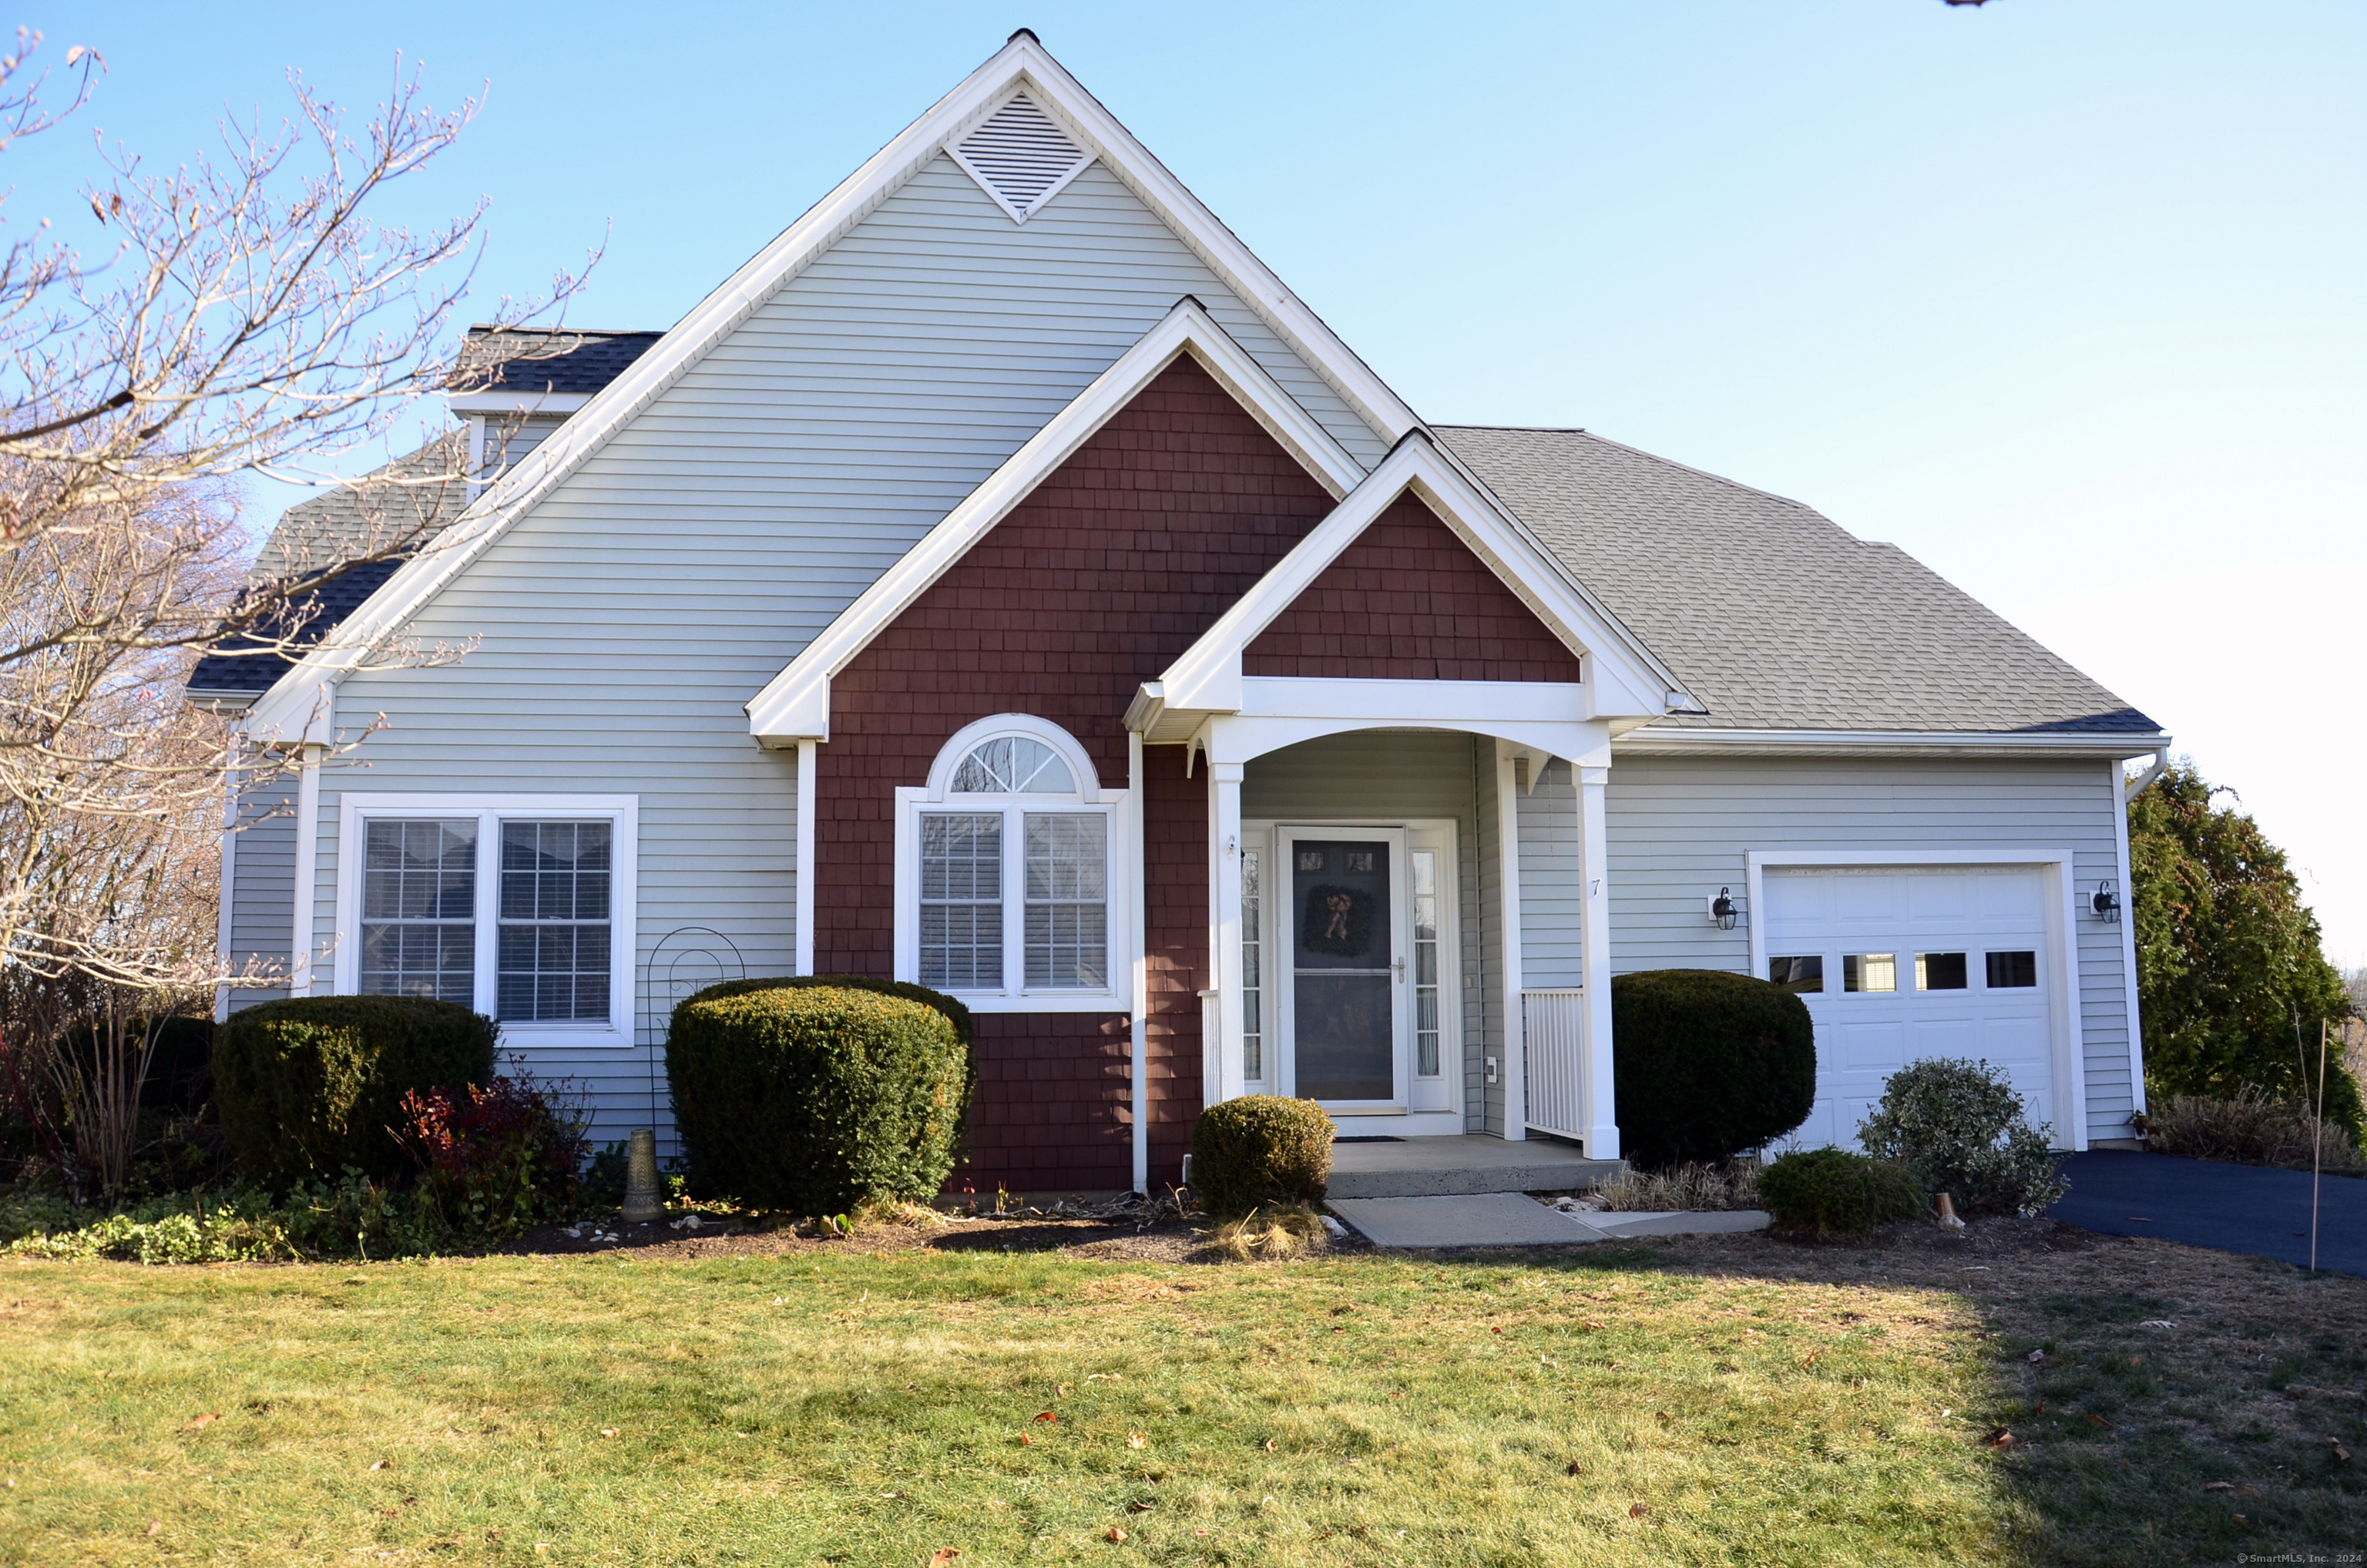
[[1773, 617], [545, 359]]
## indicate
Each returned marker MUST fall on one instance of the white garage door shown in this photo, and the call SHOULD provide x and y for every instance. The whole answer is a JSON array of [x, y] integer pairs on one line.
[[1898, 964]]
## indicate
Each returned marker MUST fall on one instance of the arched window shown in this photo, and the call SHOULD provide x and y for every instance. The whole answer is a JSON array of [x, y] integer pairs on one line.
[[1007, 872]]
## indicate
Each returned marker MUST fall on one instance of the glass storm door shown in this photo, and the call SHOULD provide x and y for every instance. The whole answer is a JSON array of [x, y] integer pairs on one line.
[[1341, 917]]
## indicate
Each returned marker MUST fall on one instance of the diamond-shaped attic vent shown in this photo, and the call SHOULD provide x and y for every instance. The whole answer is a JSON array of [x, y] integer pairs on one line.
[[1021, 157]]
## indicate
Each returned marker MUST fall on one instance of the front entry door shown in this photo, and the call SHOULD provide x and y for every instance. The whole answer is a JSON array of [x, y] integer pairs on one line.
[[1344, 967]]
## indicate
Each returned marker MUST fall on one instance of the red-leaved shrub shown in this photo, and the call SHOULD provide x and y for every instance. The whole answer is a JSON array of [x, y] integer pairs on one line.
[[501, 1158]]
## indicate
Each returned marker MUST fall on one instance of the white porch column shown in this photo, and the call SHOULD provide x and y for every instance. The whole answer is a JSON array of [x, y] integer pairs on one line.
[[1508, 851], [1225, 924], [1601, 1119]]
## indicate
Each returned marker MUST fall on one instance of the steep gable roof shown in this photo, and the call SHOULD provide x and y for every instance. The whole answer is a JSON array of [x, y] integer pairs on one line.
[[1022, 66], [1776, 617], [795, 705]]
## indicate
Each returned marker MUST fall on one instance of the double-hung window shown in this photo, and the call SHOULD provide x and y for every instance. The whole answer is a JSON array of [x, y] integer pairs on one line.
[[520, 907], [1008, 874]]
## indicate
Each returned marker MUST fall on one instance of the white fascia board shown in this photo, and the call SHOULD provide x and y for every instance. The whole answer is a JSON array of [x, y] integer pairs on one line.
[[466, 404], [795, 705], [1623, 679], [1227, 256], [1653, 741], [1021, 62]]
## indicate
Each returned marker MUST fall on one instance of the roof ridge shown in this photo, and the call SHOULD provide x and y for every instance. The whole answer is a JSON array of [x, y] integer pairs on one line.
[[1651, 457]]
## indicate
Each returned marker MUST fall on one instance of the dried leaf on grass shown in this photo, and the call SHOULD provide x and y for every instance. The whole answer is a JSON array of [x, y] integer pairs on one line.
[[943, 1557], [197, 1423]]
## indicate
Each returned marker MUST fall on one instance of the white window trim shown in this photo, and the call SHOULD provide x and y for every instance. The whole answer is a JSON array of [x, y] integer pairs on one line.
[[937, 795], [490, 811]]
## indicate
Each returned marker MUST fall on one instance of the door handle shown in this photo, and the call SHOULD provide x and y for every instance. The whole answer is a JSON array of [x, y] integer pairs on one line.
[[1397, 967]]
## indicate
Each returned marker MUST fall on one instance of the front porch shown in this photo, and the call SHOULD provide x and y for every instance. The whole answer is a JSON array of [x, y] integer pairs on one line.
[[1437, 1167]]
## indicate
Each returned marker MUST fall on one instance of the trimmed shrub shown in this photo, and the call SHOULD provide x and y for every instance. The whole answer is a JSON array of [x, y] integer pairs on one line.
[[1260, 1150], [501, 1158], [313, 1085], [955, 1012], [1959, 1127], [816, 1097], [1834, 1192], [1708, 1063]]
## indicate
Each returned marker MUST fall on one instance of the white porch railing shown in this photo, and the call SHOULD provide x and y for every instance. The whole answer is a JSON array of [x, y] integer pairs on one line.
[[1551, 1022]]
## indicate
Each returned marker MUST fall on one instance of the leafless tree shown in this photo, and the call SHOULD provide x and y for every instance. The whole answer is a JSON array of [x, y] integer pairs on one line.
[[252, 319]]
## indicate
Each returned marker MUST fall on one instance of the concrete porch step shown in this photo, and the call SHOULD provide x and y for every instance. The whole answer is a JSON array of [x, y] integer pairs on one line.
[[1443, 1168]]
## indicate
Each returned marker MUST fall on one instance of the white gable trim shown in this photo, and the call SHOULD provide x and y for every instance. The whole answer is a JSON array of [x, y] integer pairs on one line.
[[795, 705], [1623, 680], [1022, 64]]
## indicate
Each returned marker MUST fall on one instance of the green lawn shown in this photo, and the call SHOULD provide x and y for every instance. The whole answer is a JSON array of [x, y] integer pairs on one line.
[[1720, 1404]]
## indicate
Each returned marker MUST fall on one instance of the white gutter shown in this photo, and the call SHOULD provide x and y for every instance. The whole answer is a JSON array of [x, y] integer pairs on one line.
[[1652, 740]]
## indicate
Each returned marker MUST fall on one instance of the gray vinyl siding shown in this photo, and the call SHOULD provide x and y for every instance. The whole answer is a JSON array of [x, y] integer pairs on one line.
[[1403, 774], [1553, 955], [1679, 828], [509, 439], [613, 634], [262, 890]]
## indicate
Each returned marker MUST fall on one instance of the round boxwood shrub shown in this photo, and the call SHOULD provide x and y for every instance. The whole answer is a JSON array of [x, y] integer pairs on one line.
[[1259, 1150], [816, 1098], [1708, 1063], [1834, 1192], [1960, 1127], [312, 1084]]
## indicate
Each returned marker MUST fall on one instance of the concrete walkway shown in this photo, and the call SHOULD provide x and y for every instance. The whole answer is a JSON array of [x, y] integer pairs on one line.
[[1509, 1220], [2242, 1209]]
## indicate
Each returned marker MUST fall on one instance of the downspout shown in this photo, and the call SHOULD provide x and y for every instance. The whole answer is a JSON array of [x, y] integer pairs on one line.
[[2131, 788], [223, 918], [1140, 1086], [308, 871], [807, 790]]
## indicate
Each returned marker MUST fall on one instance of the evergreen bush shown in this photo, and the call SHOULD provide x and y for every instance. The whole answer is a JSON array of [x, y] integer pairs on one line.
[[1959, 1127], [815, 1097], [1835, 1192], [311, 1086], [1708, 1063], [1257, 1151]]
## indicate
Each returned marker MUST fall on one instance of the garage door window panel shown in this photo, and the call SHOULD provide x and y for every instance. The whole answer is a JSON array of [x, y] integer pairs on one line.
[[2012, 970], [1801, 975], [1940, 972], [1870, 972]]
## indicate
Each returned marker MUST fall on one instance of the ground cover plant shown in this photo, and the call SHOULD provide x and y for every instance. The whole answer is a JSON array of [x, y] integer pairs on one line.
[[882, 1401]]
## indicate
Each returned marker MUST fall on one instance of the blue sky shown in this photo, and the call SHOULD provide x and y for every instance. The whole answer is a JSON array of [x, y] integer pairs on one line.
[[2065, 300]]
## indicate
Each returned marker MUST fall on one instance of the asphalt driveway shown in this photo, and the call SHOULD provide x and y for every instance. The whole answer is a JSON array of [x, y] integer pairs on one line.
[[2205, 1203]]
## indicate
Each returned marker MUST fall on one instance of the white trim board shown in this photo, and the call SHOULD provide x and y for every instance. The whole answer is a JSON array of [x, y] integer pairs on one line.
[[624, 944], [795, 705], [2063, 926], [1021, 62], [1623, 677], [1654, 741]]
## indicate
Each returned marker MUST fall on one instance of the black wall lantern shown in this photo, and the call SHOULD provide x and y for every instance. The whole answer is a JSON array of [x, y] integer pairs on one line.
[[2106, 902], [1722, 910]]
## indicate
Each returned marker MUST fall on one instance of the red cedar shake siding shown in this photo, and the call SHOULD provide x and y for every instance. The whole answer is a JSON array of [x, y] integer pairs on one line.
[[1175, 909], [1110, 569], [1408, 601]]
